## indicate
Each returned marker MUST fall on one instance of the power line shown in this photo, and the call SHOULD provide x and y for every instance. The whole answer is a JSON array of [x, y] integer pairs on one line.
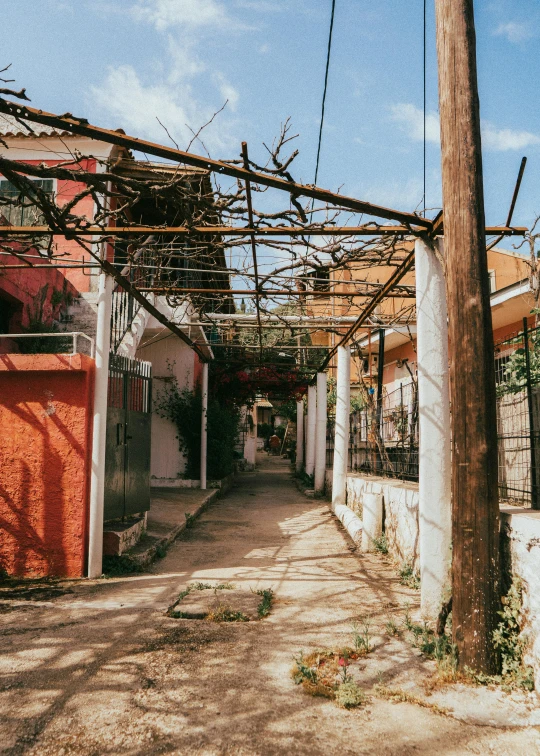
[[325, 88]]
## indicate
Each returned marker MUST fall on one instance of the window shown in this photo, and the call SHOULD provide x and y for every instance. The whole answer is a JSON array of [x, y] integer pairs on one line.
[[321, 279], [20, 211]]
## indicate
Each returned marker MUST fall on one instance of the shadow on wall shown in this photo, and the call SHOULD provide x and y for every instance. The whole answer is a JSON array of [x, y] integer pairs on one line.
[[45, 417]]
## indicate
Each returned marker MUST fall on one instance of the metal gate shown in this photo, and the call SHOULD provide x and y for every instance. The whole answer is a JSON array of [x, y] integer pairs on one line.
[[127, 462]]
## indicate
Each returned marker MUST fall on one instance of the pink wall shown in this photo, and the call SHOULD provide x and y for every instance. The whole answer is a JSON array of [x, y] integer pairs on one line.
[[45, 415]]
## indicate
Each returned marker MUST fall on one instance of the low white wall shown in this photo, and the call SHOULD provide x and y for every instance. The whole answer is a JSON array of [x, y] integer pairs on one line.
[[520, 543], [400, 503], [520, 548]]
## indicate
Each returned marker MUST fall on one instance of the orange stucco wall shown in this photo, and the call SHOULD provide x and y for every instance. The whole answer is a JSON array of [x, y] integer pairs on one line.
[[45, 449]]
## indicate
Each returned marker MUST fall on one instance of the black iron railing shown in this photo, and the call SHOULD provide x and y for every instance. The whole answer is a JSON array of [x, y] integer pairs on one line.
[[517, 377]]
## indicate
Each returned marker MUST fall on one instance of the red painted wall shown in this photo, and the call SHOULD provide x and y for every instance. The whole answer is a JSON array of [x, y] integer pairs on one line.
[[45, 450]]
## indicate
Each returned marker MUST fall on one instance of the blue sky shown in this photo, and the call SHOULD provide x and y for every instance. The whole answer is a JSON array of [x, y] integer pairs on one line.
[[124, 62]]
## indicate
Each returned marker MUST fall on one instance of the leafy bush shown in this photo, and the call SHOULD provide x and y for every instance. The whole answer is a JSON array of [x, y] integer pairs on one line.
[[184, 409]]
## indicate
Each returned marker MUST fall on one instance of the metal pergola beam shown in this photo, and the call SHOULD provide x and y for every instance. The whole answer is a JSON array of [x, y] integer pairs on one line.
[[80, 126], [274, 292], [238, 231]]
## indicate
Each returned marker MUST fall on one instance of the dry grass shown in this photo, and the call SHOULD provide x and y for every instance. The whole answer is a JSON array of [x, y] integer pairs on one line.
[[398, 695]]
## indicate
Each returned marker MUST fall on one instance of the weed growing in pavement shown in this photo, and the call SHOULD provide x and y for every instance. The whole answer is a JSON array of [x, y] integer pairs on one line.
[[408, 576], [190, 519], [349, 695], [114, 566], [391, 627], [398, 695], [380, 544], [325, 673], [507, 639], [267, 596], [161, 551], [226, 614], [178, 614], [510, 645], [362, 637]]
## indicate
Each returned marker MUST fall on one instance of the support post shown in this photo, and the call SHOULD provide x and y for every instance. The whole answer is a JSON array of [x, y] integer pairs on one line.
[[204, 423], [311, 426], [320, 434], [99, 430], [435, 475], [341, 438], [530, 405], [299, 435], [475, 512]]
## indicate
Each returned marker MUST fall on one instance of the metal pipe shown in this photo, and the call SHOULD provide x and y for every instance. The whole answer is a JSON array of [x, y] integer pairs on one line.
[[532, 439]]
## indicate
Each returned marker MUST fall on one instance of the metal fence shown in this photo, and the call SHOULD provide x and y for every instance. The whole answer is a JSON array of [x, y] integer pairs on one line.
[[517, 376], [383, 437]]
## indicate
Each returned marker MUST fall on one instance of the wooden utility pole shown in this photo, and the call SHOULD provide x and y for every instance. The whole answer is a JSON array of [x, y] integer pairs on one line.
[[475, 529]]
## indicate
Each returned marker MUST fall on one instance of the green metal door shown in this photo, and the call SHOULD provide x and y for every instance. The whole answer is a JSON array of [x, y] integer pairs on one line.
[[127, 461]]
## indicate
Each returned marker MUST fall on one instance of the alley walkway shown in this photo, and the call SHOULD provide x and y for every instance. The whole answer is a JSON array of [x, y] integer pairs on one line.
[[100, 669]]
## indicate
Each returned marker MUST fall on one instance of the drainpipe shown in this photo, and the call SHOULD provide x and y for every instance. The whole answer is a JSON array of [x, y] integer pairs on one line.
[[320, 434], [204, 418], [434, 482], [341, 438], [299, 435], [97, 475], [311, 425]]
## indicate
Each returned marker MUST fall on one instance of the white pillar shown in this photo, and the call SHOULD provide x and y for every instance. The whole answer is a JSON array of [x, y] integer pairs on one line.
[[435, 512], [341, 438], [204, 419], [311, 426], [320, 434], [299, 435], [99, 430]]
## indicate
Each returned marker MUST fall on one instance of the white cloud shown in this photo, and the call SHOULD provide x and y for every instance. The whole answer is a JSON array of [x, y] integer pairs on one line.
[[228, 92], [412, 120], [406, 195], [136, 106], [514, 31], [174, 92], [164, 14], [503, 140], [497, 140]]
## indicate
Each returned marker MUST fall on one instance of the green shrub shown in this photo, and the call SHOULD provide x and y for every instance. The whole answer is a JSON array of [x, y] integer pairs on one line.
[[184, 409]]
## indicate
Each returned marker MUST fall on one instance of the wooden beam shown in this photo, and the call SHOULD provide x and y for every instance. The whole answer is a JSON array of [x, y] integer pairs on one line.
[[475, 529], [81, 127]]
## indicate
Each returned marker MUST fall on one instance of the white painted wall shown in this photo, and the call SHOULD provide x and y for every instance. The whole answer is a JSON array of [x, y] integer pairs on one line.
[[164, 350]]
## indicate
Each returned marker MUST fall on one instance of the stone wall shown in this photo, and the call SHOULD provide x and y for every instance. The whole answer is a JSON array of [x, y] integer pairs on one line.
[[400, 512], [520, 543], [520, 550]]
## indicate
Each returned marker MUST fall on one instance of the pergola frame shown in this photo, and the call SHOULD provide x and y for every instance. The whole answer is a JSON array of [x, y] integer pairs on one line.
[[410, 225]]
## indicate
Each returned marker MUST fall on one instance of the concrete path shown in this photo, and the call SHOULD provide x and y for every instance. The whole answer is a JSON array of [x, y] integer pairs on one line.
[[101, 669]]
